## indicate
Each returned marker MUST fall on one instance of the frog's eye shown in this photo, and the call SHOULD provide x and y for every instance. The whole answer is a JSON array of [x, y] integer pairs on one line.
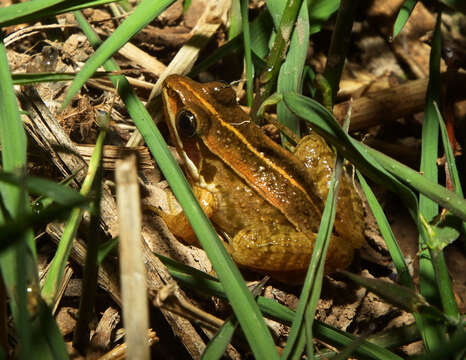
[[186, 123]]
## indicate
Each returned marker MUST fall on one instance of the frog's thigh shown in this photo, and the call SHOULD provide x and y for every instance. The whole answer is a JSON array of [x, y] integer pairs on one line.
[[281, 248]]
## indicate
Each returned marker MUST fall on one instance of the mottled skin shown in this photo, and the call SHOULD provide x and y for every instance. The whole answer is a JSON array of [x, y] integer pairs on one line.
[[266, 201]]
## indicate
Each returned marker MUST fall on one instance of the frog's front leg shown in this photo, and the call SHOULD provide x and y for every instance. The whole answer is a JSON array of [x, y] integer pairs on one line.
[[281, 250], [176, 219]]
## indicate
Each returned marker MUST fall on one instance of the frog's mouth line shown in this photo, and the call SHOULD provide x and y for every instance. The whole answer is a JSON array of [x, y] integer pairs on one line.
[[171, 105]]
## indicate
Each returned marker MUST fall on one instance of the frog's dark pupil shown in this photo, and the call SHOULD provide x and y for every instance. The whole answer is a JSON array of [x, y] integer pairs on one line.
[[186, 123]]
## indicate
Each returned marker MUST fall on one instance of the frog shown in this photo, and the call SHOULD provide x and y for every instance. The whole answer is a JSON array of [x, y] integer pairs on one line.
[[265, 201]]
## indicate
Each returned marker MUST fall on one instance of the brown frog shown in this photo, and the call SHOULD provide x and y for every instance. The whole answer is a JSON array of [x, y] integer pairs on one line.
[[264, 200]]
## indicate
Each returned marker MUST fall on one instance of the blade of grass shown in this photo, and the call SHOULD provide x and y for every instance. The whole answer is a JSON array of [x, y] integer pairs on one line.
[[205, 284], [241, 300], [301, 329], [34, 10], [31, 78], [269, 75], [235, 20], [404, 276], [57, 266], [81, 336], [339, 44], [400, 296], [379, 167], [403, 16], [145, 12], [319, 12], [11, 229], [244, 4], [132, 269], [216, 347], [37, 333], [444, 283], [15, 260], [221, 52], [433, 334], [450, 162], [59, 193], [290, 77]]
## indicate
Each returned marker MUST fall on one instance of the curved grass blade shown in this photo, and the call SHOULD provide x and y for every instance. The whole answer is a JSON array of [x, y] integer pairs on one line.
[[244, 4], [242, 302], [290, 77], [35, 327], [319, 12], [216, 347], [57, 266], [301, 329], [31, 11], [235, 20], [275, 57], [403, 16], [379, 167], [205, 284], [339, 44], [404, 276], [451, 162], [59, 193], [432, 333], [400, 296], [226, 49], [144, 13], [31, 79]]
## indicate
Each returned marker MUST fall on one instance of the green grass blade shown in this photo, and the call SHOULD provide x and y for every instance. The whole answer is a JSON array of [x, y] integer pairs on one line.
[[216, 347], [242, 302], [34, 10], [446, 292], [439, 194], [144, 13], [17, 259], [235, 20], [31, 78], [397, 295], [37, 334], [301, 329], [372, 163], [221, 52], [404, 276], [10, 231], [447, 350], [261, 30], [291, 72], [319, 12], [433, 334], [268, 77], [205, 284], [451, 162], [59, 193], [403, 16], [244, 4], [339, 45], [57, 266]]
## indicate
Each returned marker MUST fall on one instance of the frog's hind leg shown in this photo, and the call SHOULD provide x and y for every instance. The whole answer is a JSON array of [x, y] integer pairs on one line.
[[280, 250]]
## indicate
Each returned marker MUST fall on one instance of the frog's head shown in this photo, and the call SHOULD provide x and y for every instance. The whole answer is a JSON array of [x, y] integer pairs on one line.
[[193, 112]]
